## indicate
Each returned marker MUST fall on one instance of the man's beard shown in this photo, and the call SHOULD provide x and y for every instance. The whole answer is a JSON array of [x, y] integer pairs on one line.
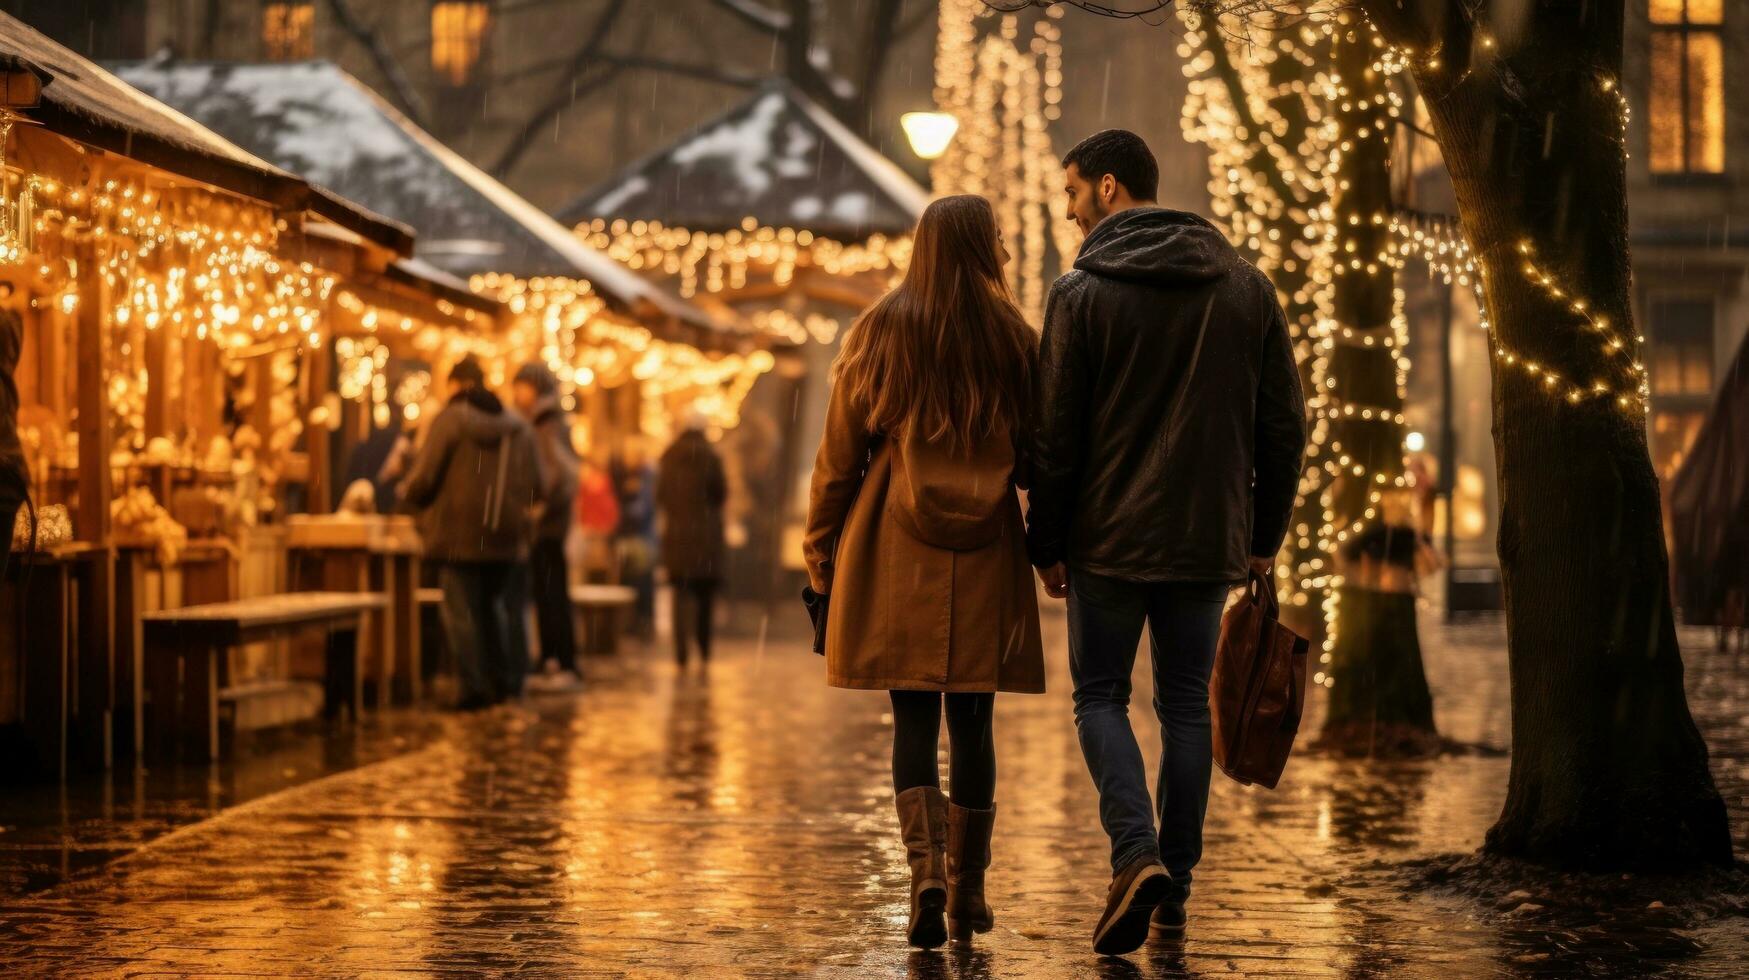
[[1099, 212]]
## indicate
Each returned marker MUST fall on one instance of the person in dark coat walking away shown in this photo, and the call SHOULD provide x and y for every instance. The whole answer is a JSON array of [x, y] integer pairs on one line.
[[536, 393], [634, 481], [690, 491], [478, 480], [1165, 462]]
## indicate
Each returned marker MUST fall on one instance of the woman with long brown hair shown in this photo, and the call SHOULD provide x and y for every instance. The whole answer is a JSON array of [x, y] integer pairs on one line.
[[915, 536]]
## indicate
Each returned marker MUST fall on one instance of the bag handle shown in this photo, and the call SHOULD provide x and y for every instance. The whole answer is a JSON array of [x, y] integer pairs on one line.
[[1259, 591]]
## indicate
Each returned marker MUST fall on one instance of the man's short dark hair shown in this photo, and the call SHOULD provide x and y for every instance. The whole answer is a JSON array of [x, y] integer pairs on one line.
[[468, 373], [1123, 155]]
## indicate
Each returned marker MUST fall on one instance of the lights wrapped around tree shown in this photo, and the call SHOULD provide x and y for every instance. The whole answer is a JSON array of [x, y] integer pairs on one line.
[[1005, 96], [1276, 169]]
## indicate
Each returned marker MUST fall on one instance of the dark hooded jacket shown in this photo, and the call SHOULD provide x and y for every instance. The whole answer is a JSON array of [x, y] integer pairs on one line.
[[478, 478], [1170, 419], [558, 462]]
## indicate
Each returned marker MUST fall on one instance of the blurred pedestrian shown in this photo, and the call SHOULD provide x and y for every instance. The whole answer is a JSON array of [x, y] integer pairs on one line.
[[536, 393], [914, 535], [598, 517], [14, 479], [634, 481], [691, 489], [477, 477]]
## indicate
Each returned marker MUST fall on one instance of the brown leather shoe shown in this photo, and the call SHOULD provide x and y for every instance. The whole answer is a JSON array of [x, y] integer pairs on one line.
[[923, 824], [1167, 923], [968, 855], [1135, 890]]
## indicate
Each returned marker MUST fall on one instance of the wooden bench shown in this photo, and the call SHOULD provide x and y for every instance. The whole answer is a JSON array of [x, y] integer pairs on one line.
[[601, 607], [185, 664]]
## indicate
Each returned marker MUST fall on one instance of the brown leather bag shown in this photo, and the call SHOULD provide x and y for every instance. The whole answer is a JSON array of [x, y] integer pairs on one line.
[[1258, 689]]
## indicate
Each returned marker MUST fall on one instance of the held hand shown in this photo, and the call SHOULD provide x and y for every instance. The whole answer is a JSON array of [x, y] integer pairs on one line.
[[1056, 581], [1264, 567]]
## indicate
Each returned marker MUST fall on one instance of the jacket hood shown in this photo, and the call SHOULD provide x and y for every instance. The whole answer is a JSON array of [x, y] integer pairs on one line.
[[1156, 245], [547, 408], [484, 419]]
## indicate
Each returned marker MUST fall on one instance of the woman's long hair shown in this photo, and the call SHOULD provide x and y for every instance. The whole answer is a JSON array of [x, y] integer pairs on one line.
[[947, 350]]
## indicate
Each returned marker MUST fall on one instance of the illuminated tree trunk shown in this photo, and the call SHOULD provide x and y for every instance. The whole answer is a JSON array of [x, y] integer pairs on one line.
[[1379, 702], [1608, 768]]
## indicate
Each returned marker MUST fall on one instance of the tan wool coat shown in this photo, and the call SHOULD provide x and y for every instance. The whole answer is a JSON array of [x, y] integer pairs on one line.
[[959, 614]]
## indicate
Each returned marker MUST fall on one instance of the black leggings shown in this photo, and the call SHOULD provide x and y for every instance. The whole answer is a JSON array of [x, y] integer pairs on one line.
[[971, 750]]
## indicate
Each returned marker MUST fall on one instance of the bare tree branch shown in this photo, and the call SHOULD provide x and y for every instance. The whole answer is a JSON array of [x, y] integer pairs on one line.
[[756, 14], [403, 91], [722, 76], [883, 25], [926, 14], [1235, 86], [564, 89]]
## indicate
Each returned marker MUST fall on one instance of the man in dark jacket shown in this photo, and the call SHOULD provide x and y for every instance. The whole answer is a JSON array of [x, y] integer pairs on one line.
[[690, 490], [478, 478], [1165, 462], [536, 393]]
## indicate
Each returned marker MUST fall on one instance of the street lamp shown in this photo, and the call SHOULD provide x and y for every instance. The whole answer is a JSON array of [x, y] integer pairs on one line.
[[929, 132]]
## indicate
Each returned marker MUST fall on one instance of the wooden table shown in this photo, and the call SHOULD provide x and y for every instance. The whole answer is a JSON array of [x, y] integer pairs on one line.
[[379, 561], [205, 572], [56, 686], [601, 606], [185, 662]]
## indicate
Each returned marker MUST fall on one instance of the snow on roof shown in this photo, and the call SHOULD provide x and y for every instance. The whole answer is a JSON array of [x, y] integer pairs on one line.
[[779, 158], [82, 101], [317, 121]]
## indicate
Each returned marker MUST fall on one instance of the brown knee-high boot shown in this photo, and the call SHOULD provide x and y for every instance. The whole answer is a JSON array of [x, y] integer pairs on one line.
[[968, 854], [923, 823]]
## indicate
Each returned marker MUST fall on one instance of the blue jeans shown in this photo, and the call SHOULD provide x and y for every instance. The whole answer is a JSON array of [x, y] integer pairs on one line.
[[477, 627], [1105, 625]]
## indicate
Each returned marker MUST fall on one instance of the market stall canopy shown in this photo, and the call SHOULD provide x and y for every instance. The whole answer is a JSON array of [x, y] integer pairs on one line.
[[317, 121], [1709, 509], [83, 102], [779, 158]]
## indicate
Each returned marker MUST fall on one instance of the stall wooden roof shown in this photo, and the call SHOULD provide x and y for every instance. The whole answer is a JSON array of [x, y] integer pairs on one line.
[[779, 158], [314, 119], [83, 102]]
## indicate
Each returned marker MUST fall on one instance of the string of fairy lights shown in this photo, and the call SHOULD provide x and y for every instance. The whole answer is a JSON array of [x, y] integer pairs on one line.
[[193, 264], [1005, 96], [584, 346], [718, 262]]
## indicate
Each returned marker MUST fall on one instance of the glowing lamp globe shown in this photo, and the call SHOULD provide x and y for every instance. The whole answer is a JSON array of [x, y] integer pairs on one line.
[[929, 132]]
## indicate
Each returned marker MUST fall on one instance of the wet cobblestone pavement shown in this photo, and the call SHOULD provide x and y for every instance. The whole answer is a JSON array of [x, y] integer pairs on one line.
[[739, 823]]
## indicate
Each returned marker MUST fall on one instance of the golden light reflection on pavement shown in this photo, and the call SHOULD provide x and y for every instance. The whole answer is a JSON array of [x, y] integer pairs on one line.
[[740, 823]]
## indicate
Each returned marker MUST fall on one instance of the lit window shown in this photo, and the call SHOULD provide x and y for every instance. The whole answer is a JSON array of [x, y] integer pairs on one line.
[[1687, 102], [288, 31], [1682, 347], [458, 34]]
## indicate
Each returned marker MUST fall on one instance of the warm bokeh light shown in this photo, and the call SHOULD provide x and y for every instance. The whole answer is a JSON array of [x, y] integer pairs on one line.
[[929, 132]]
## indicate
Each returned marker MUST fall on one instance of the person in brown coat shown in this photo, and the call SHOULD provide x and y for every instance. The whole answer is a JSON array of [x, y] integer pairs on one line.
[[915, 536]]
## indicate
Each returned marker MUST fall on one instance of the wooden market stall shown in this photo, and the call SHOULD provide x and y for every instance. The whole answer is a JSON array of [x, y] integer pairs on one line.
[[777, 213], [184, 306], [625, 348]]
